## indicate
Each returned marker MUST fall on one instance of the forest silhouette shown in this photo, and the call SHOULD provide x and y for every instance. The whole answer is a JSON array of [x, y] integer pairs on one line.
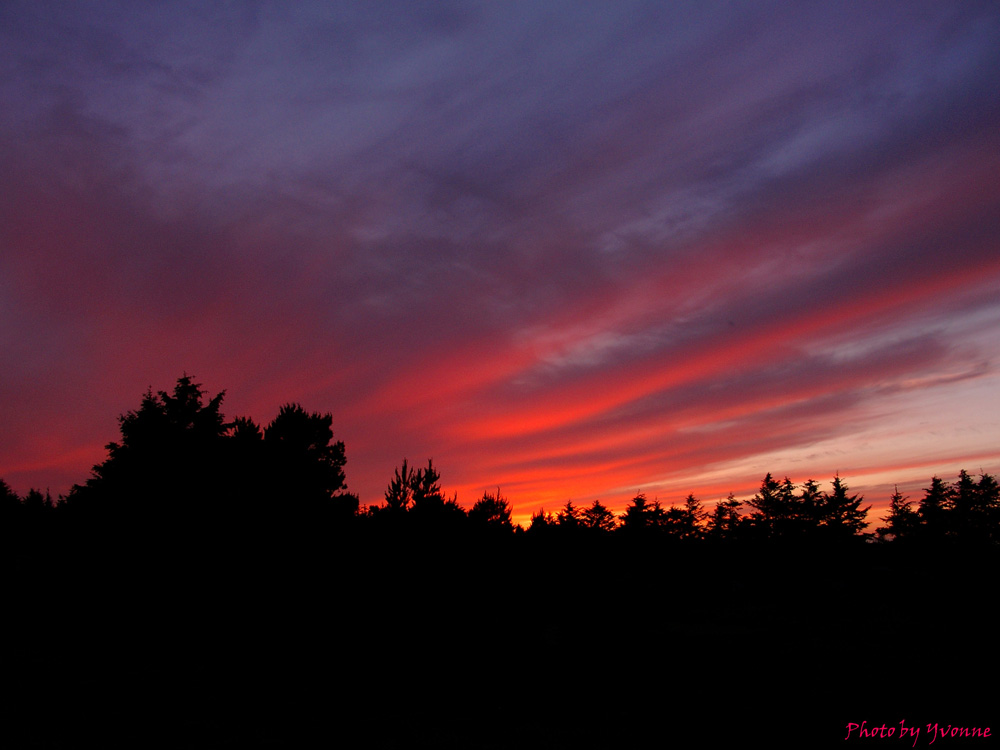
[[215, 584]]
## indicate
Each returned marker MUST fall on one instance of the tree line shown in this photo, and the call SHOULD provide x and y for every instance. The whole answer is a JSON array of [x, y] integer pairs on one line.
[[178, 462], [217, 578]]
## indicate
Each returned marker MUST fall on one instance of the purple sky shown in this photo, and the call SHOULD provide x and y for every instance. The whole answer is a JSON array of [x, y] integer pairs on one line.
[[574, 250]]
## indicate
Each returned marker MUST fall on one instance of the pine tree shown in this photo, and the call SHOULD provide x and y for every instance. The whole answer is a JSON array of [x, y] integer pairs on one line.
[[934, 509], [492, 511], [685, 522], [10, 503], [425, 486], [168, 459], [569, 517], [725, 519], [541, 522], [973, 514], [775, 508], [902, 520], [642, 515], [399, 493], [810, 503], [308, 465], [695, 516], [988, 516], [599, 518], [841, 515]]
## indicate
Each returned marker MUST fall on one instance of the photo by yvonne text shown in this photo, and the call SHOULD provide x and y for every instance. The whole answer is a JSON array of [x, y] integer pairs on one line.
[[931, 734]]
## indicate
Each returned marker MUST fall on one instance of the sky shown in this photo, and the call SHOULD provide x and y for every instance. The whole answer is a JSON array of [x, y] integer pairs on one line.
[[572, 250]]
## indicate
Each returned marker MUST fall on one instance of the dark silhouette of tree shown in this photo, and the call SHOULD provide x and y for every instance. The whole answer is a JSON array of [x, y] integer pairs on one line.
[[569, 517], [9, 501], [636, 514], [686, 522], [695, 510], [307, 464], [24, 519], [964, 506], [781, 513], [291, 471], [250, 490], [167, 457], [902, 521], [429, 509], [245, 432], [777, 511], [541, 522], [810, 505], [178, 461], [934, 509], [841, 515], [185, 410], [426, 489], [642, 516], [986, 513], [246, 446], [492, 511], [37, 503], [399, 493], [726, 519], [10, 520], [416, 496], [974, 507], [598, 518], [452, 507]]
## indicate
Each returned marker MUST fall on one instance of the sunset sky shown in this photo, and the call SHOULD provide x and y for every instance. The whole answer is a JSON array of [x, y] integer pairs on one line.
[[574, 250]]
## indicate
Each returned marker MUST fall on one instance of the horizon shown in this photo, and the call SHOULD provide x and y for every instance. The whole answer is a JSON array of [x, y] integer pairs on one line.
[[523, 512], [572, 251]]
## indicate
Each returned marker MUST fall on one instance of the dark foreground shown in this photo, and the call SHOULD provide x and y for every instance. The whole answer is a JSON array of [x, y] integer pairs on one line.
[[492, 643]]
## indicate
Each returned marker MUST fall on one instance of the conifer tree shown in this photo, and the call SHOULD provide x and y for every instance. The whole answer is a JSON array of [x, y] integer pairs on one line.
[[599, 518], [541, 522], [492, 511], [934, 509], [642, 515], [974, 507], [725, 519], [694, 516], [902, 520], [167, 460], [427, 485], [10, 503], [399, 493], [775, 508], [810, 503], [178, 460], [307, 462], [569, 517], [988, 504], [841, 514]]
